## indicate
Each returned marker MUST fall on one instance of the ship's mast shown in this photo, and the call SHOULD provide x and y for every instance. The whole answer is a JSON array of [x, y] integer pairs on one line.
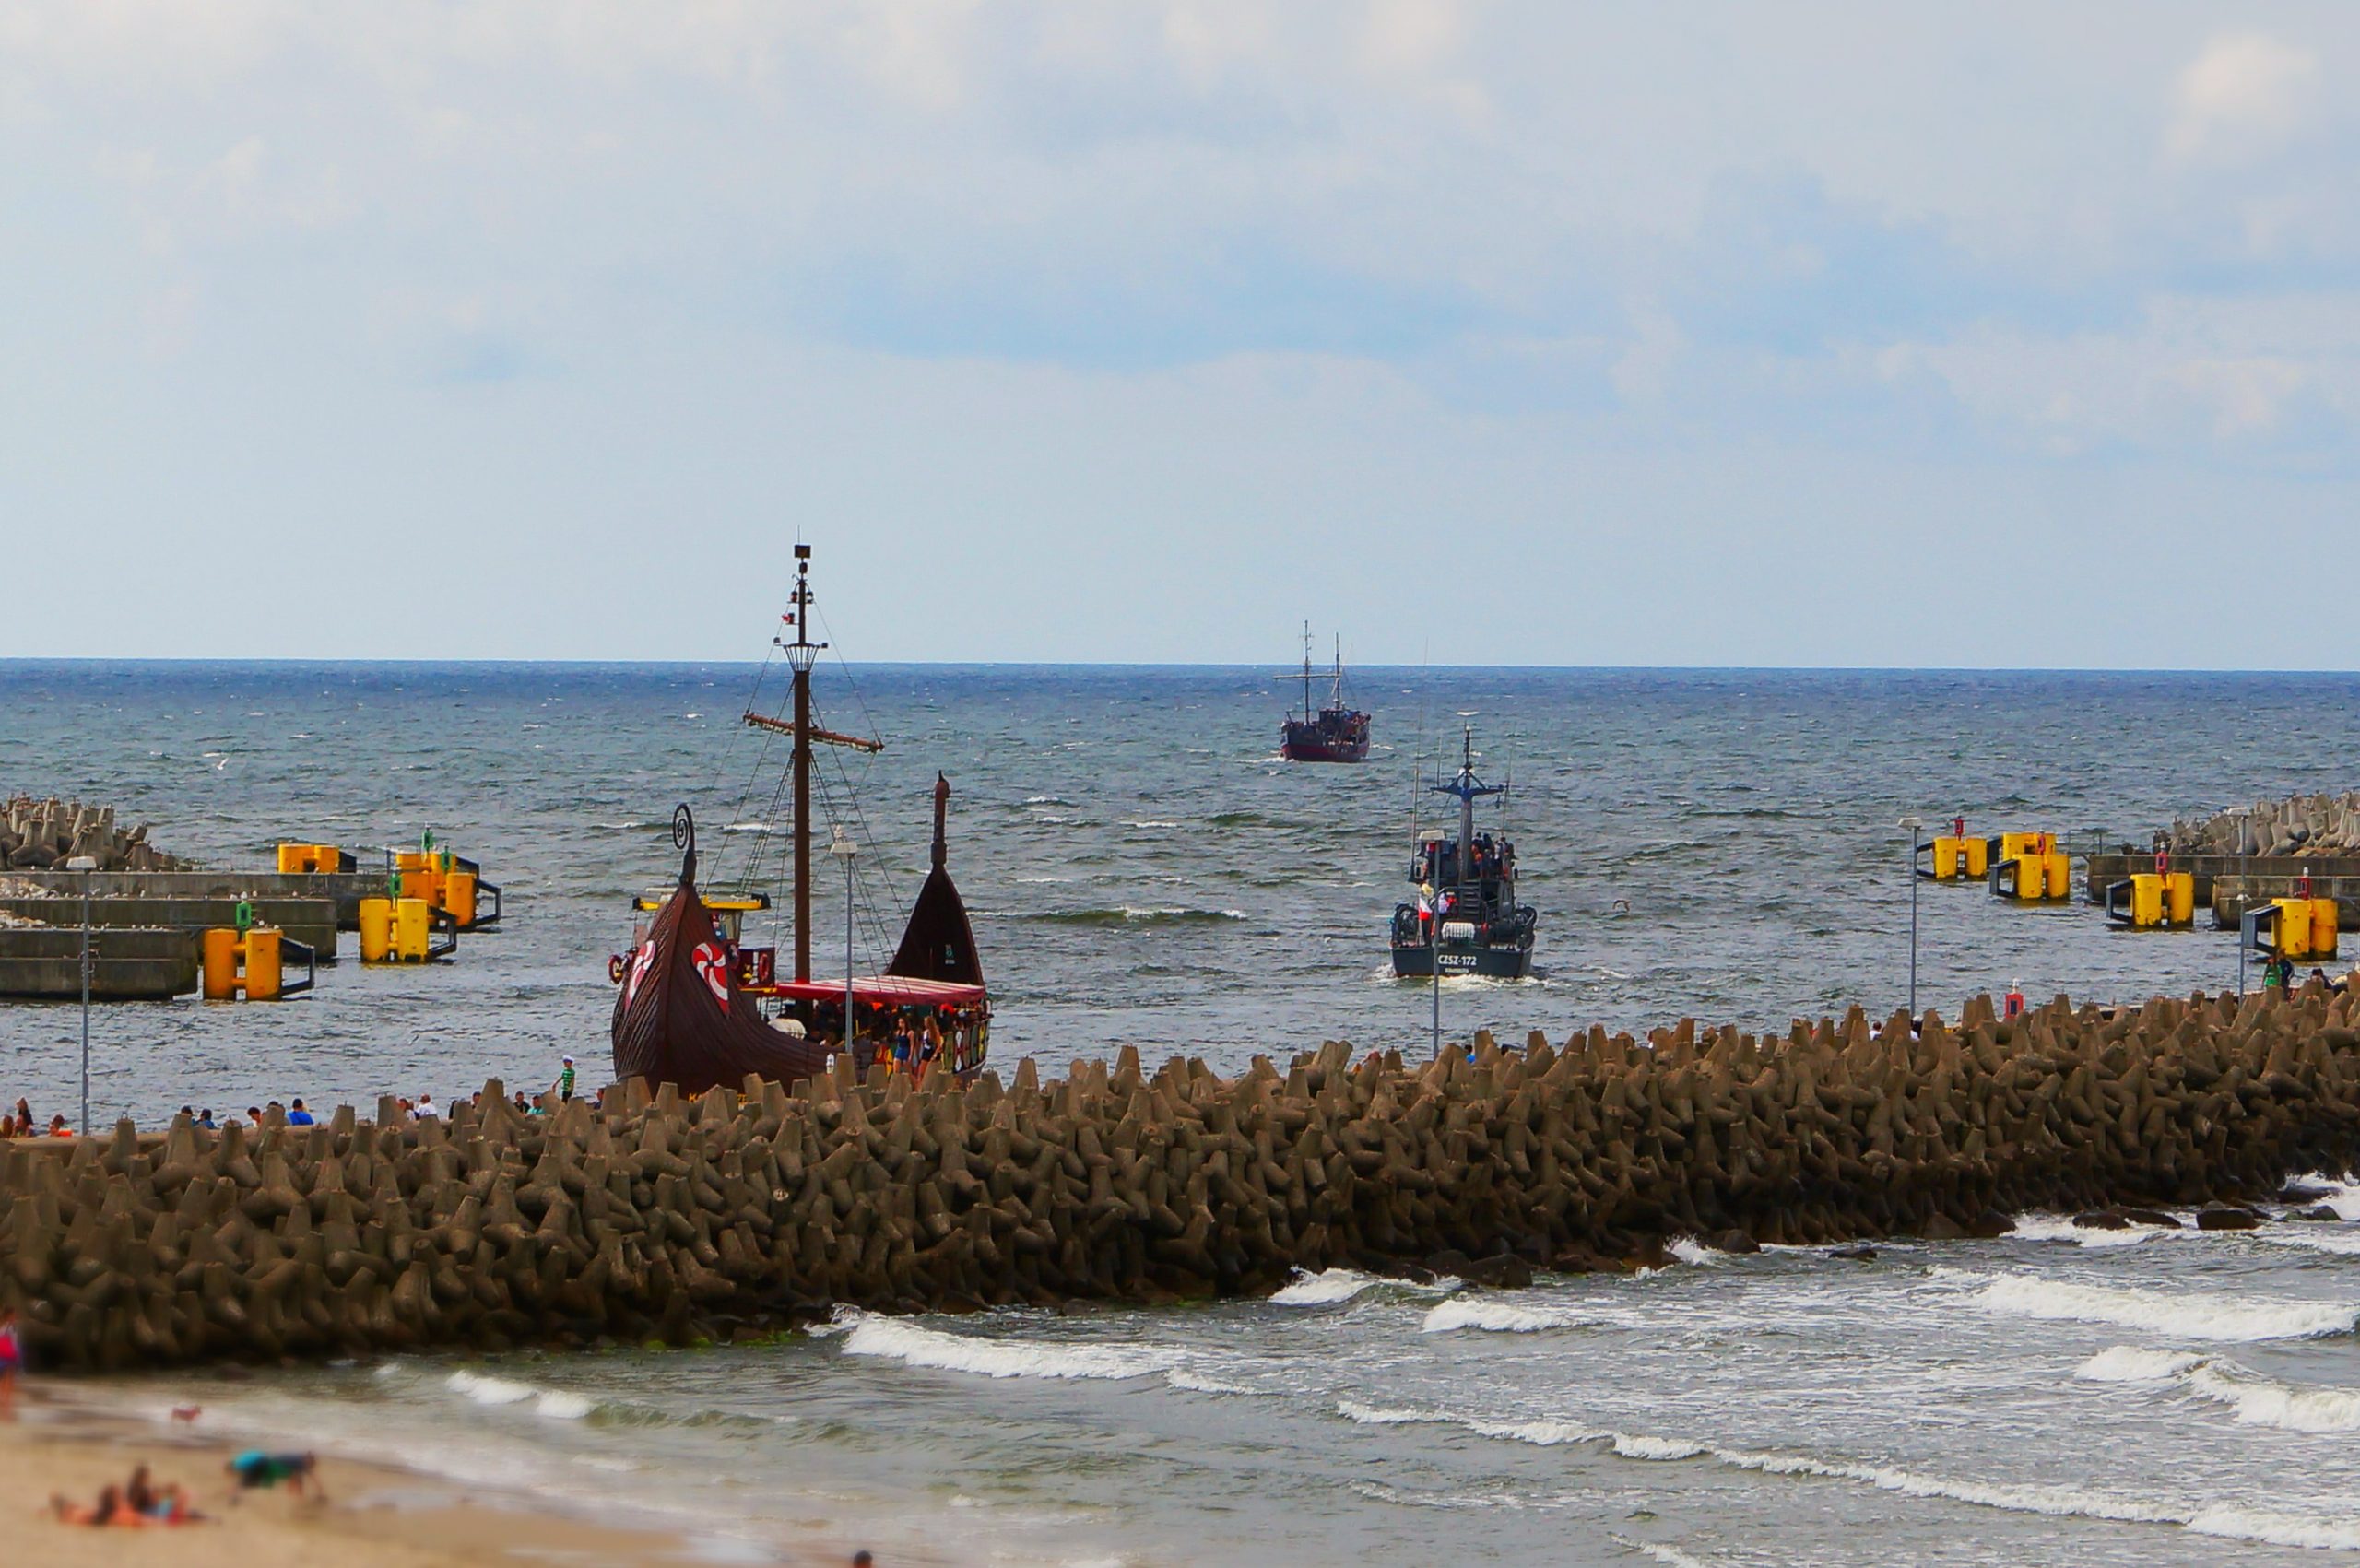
[[799, 656], [1465, 786], [1306, 672], [1337, 702]]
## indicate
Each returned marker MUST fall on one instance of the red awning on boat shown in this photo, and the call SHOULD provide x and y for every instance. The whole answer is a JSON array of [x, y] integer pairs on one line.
[[883, 990]]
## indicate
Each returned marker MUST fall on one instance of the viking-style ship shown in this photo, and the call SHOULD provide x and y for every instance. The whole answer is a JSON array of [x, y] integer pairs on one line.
[[1335, 734], [699, 1005], [1465, 919]]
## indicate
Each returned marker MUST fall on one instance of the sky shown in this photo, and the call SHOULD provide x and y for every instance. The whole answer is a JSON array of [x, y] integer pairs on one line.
[[1983, 335]]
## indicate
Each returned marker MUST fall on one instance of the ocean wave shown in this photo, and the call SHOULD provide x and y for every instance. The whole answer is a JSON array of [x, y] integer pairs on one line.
[[1047, 800], [2342, 1243], [555, 1403], [1149, 822], [1670, 1556], [1327, 1288], [2184, 1314], [1688, 1249], [898, 1339], [2058, 1228], [2055, 1500], [2128, 1363], [749, 828], [1331, 1286], [2255, 1400], [1496, 1317], [2264, 1401]]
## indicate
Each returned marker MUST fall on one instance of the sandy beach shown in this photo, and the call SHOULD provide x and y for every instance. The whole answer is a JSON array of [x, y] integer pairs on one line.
[[66, 1441]]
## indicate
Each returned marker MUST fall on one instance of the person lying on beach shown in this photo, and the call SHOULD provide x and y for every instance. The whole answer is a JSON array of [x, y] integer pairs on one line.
[[132, 1507], [108, 1510], [255, 1470]]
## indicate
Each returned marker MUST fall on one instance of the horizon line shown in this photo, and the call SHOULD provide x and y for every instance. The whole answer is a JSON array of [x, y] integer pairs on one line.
[[276, 661]]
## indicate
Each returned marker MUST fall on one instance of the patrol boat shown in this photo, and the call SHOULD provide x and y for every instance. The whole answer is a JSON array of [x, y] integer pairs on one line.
[[1465, 919]]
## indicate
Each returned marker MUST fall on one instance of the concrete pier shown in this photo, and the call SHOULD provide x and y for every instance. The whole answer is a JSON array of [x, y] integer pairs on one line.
[[307, 920], [343, 889], [2223, 882], [44, 964]]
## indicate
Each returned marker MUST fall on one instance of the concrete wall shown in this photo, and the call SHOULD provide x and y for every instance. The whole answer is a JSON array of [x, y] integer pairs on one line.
[[45, 963], [311, 920]]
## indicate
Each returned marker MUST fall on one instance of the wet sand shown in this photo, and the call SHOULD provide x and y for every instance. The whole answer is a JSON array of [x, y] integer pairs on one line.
[[374, 1518]]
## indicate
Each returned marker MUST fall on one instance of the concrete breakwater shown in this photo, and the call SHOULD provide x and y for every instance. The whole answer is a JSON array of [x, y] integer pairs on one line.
[[38, 835], [656, 1217], [2300, 824]]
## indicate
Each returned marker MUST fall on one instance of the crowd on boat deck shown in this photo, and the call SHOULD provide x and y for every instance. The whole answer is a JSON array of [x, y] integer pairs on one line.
[[911, 1040]]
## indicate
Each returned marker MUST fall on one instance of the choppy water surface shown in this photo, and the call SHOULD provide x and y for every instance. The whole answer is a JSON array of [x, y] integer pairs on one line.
[[1143, 870]]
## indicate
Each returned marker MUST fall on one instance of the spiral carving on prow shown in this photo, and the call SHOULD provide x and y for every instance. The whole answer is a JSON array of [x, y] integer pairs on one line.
[[684, 839]]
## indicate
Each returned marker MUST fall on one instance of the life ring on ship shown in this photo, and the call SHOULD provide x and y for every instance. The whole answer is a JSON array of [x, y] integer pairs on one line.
[[616, 966]]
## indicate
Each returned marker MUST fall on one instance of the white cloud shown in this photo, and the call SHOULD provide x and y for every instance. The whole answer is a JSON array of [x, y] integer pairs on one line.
[[2243, 94]]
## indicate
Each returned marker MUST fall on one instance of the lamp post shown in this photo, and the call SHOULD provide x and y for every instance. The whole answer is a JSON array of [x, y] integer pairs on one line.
[[2243, 815], [841, 846], [85, 865], [1914, 825]]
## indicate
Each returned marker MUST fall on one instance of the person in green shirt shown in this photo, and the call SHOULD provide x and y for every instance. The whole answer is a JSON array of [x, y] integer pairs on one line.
[[565, 1080]]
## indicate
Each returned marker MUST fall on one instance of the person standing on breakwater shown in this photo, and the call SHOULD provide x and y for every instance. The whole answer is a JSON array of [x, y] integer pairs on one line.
[[565, 1082]]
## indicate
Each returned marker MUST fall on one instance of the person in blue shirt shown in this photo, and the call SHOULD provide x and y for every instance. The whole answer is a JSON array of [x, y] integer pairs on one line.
[[298, 1117]]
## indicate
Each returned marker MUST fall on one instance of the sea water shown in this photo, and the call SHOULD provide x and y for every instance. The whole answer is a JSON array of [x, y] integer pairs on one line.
[[1144, 870]]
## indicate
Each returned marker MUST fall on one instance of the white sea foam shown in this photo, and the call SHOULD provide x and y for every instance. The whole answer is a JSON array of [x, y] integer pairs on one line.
[[1496, 1317], [1688, 1249], [898, 1339], [2276, 1529], [2184, 1314], [1670, 1556], [2128, 1363], [2265, 1402], [1330, 1286], [2312, 1239], [554, 1403], [2255, 1400], [2231, 1523], [1326, 1287], [2055, 1227], [1380, 1415]]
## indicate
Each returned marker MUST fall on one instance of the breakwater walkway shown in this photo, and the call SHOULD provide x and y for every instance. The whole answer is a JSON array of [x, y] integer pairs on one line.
[[657, 1218]]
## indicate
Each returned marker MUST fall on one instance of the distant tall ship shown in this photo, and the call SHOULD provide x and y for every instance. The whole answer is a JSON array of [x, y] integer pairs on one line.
[[1334, 734], [1465, 919]]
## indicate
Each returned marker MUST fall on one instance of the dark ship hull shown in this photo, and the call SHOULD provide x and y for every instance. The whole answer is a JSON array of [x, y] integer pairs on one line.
[[1332, 737], [1479, 958]]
